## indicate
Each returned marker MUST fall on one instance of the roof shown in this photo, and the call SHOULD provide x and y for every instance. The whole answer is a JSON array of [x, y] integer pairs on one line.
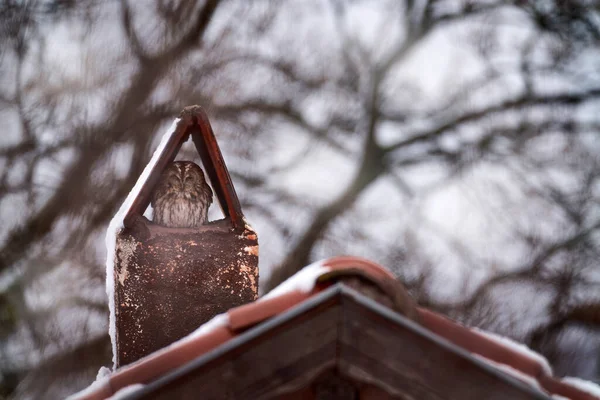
[[436, 350]]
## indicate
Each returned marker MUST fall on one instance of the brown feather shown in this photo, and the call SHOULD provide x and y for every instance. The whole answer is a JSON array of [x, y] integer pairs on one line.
[[181, 197]]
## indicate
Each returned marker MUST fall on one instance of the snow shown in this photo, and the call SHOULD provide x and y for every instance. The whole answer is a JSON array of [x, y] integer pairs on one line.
[[149, 213], [507, 369], [103, 372], [519, 348], [218, 321], [127, 390], [116, 224], [583, 385], [303, 281], [90, 389]]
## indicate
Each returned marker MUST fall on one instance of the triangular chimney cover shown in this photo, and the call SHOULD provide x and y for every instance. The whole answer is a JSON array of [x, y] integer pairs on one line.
[[240, 267], [193, 122]]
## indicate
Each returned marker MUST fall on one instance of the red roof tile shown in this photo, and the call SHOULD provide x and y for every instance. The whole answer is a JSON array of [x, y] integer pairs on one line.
[[245, 316], [224, 328]]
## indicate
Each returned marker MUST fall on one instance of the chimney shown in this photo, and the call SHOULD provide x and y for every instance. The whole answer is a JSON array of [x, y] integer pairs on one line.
[[165, 282]]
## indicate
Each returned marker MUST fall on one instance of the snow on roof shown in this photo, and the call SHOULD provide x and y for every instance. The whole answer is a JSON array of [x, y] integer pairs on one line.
[[518, 348], [303, 281], [88, 391], [127, 390], [103, 372], [559, 397], [583, 385], [528, 379], [217, 321], [116, 224]]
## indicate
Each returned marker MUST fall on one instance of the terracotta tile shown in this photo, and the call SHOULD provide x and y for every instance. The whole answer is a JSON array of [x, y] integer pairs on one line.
[[478, 344], [342, 262], [100, 392], [250, 314]]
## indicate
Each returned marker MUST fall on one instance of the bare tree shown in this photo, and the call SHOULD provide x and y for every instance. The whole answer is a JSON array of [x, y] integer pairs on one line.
[[455, 142]]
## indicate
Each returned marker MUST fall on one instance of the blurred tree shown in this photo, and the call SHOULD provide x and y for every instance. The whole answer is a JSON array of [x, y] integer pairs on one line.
[[453, 141]]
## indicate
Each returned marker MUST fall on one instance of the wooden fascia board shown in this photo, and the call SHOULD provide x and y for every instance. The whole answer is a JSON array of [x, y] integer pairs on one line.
[[381, 347]]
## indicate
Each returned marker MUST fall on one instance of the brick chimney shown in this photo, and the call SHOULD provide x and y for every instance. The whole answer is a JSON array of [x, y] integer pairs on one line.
[[168, 281]]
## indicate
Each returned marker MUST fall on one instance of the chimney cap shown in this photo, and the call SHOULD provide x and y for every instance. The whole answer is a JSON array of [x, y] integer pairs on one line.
[[193, 122]]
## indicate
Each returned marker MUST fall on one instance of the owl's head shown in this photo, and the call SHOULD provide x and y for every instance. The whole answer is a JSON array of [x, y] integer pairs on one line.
[[182, 179]]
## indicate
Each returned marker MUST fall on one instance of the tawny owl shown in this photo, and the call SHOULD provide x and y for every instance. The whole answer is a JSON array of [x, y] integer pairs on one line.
[[181, 197]]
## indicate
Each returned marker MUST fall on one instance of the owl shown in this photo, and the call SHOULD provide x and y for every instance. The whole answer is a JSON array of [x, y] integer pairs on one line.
[[181, 197]]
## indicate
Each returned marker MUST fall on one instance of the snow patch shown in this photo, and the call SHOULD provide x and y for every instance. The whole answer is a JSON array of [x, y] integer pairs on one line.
[[218, 321], [88, 391], [116, 224], [248, 226], [103, 372], [519, 348], [149, 213], [583, 385], [303, 281], [507, 369], [127, 390]]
